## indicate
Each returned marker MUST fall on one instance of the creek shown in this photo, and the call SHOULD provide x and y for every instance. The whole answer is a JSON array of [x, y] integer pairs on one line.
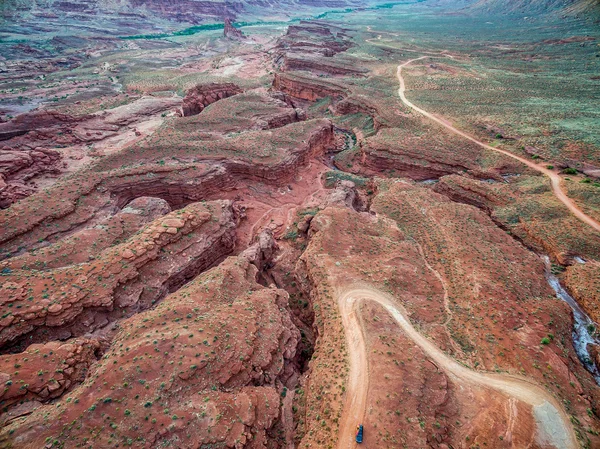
[[584, 329]]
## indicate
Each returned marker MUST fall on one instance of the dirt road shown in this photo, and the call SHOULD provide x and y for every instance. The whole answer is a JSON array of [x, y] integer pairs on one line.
[[555, 179], [553, 425]]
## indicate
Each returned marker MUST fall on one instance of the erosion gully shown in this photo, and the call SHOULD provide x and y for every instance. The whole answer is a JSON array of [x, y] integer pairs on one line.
[[584, 329]]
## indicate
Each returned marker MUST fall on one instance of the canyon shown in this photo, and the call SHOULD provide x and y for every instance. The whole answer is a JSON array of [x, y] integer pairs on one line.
[[263, 224]]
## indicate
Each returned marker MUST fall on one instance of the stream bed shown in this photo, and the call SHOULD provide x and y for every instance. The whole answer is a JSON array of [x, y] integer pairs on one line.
[[584, 329]]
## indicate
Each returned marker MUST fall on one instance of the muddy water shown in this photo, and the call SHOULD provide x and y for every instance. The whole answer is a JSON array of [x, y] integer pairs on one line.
[[584, 327]]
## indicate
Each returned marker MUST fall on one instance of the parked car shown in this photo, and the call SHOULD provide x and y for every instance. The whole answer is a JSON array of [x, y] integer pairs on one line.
[[359, 433]]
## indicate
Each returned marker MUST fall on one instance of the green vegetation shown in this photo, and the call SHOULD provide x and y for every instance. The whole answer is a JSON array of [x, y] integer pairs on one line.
[[332, 177]]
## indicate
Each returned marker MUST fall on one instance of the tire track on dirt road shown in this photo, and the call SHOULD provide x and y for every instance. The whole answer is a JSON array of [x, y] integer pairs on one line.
[[555, 179], [552, 422]]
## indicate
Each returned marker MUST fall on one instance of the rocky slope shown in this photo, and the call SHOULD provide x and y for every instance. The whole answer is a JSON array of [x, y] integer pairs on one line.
[[448, 292], [525, 206], [76, 299], [199, 169], [201, 96], [47, 141], [583, 281], [84, 245], [206, 366]]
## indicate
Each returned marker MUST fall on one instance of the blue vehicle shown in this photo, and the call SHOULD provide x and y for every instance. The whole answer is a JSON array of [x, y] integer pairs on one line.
[[359, 433]]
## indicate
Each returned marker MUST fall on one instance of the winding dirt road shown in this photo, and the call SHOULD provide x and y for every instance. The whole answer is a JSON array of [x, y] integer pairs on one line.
[[555, 179], [553, 425]]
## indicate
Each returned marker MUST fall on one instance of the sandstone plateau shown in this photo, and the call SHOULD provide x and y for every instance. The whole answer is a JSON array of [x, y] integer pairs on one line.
[[259, 224]]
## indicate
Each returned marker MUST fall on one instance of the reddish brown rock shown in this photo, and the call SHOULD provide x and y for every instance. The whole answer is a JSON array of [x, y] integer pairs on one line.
[[474, 192], [84, 245], [231, 31], [123, 279], [199, 97], [48, 370], [583, 282], [403, 154], [321, 65], [487, 304], [18, 166], [206, 366], [229, 163], [314, 38], [306, 88]]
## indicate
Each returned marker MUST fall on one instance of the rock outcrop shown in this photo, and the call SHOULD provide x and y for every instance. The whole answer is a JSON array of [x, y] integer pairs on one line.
[[206, 366], [46, 371], [474, 192], [262, 251], [33, 141], [314, 38], [84, 245], [18, 166], [123, 279], [345, 195], [526, 207], [306, 88], [583, 282], [199, 97], [418, 157], [203, 168], [231, 31]]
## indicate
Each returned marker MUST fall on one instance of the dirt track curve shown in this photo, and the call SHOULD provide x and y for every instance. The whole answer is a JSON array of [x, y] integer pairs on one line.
[[555, 179], [553, 425]]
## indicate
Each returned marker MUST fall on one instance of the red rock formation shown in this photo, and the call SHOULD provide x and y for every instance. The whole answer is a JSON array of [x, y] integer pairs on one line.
[[471, 191], [474, 301], [86, 244], [78, 200], [315, 38], [124, 278], [320, 65], [583, 282], [48, 370], [18, 166], [306, 88], [205, 367], [310, 46], [199, 97], [231, 31], [418, 157], [35, 120]]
